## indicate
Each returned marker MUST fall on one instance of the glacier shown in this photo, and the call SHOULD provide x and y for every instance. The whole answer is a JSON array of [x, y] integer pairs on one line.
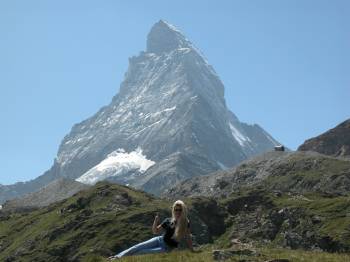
[[117, 163]]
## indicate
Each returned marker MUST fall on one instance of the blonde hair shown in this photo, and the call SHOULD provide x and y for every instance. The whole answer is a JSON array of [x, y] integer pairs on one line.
[[181, 223]]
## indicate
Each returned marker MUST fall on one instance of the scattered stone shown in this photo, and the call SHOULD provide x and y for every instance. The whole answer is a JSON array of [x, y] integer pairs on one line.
[[316, 219], [235, 241], [222, 184], [277, 193], [292, 240]]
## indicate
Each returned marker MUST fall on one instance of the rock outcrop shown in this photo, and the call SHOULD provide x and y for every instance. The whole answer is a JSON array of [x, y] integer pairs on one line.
[[335, 142]]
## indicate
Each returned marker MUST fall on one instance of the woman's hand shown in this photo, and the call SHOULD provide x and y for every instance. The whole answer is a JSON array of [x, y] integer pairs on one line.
[[156, 218], [156, 227]]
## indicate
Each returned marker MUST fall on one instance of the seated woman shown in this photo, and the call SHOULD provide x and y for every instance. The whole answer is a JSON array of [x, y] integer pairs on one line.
[[175, 228]]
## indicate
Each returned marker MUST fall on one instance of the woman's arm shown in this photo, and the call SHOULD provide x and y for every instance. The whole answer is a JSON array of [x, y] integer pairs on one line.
[[189, 239], [155, 227]]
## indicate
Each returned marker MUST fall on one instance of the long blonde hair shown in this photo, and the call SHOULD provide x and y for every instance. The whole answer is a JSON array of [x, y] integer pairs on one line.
[[181, 223]]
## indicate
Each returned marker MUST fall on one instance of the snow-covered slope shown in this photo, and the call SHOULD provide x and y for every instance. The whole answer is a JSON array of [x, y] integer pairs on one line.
[[117, 164], [171, 104]]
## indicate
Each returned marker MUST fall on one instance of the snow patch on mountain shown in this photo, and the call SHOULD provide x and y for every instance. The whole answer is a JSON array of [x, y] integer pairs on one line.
[[238, 136], [222, 166], [117, 163], [165, 110]]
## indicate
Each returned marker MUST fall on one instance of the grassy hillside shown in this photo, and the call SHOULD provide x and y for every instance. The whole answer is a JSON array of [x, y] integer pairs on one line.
[[309, 221], [98, 220], [107, 218], [294, 172]]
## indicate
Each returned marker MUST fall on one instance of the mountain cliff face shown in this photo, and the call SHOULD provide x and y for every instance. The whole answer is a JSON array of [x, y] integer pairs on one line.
[[335, 142], [168, 122]]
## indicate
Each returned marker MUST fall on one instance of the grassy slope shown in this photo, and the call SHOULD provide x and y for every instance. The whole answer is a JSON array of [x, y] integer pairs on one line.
[[305, 173], [333, 213], [90, 222], [107, 218]]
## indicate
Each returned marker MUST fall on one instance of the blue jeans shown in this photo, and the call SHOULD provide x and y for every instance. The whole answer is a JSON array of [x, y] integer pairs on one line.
[[151, 246]]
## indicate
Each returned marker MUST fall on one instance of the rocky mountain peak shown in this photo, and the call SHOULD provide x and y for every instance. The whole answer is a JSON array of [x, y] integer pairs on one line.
[[168, 122], [165, 37]]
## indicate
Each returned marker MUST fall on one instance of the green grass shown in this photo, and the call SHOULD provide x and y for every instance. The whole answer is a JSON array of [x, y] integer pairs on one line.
[[301, 173], [100, 230], [264, 254]]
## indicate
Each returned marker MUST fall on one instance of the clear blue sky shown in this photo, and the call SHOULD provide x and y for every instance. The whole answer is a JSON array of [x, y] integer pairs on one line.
[[285, 65]]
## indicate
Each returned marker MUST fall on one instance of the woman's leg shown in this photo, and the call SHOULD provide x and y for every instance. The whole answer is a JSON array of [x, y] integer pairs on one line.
[[150, 251], [150, 244], [164, 245], [161, 249]]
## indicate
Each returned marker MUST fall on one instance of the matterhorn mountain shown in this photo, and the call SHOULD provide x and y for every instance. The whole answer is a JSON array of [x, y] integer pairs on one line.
[[168, 122]]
